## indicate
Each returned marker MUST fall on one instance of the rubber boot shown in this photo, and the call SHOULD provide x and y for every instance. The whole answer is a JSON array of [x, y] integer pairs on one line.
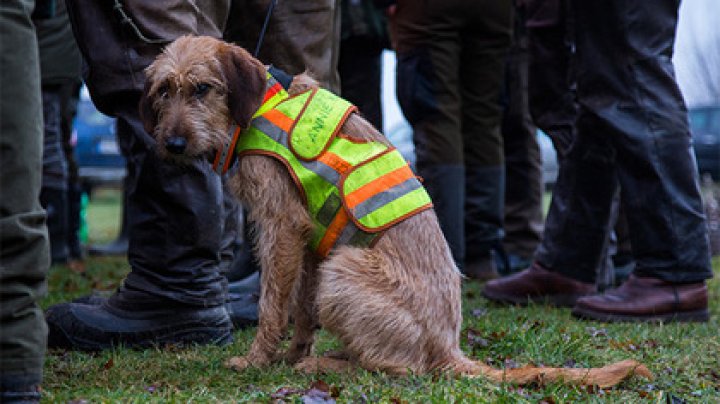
[[446, 186], [55, 203], [484, 202]]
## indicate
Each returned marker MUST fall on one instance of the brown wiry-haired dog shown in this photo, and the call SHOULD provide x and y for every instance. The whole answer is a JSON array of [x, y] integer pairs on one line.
[[395, 306]]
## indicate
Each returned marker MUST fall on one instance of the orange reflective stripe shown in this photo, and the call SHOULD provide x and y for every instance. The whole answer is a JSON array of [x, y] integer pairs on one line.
[[334, 161], [279, 119], [378, 185], [333, 232]]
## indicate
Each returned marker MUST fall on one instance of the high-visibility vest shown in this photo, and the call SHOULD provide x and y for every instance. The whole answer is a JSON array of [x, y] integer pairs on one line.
[[354, 189]]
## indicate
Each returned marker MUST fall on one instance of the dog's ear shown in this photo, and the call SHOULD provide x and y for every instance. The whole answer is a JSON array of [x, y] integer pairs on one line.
[[148, 116], [246, 79]]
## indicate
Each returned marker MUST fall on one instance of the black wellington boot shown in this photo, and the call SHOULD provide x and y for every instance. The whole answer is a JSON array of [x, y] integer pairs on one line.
[[55, 203], [484, 211], [446, 185]]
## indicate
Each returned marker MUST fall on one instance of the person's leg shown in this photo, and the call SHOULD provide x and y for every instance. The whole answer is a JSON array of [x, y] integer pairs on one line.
[[649, 129], [300, 35], [69, 96], [360, 75], [428, 56], [24, 250], [54, 192], [175, 291], [564, 257], [523, 219], [485, 38]]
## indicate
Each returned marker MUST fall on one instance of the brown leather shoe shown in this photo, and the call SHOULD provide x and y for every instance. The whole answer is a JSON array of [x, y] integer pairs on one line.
[[537, 284], [647, 299]]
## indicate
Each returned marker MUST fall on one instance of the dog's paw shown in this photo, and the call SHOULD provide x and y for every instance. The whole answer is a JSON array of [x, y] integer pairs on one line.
[[312, 365], [238, 363], [307, 365]]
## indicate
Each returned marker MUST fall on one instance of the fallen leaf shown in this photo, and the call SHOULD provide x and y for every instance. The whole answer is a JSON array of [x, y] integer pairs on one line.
[[284, 392], [530, 325], [109, 364], [596, 332], [673, 399], [320, 385], [315, 396], [474, 339]]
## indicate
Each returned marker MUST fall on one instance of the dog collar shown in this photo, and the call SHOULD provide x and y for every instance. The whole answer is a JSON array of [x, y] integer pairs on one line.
[[278, 82]]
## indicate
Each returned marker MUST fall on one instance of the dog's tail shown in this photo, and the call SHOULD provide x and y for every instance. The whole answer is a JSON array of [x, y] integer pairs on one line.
[[606, 376]]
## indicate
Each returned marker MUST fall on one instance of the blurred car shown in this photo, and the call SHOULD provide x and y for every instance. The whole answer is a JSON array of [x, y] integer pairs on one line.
[[705, 129], [100, 162]]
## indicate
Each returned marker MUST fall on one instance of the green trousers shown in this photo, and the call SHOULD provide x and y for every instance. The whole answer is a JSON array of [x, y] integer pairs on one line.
[[450, 63], [24, 259]]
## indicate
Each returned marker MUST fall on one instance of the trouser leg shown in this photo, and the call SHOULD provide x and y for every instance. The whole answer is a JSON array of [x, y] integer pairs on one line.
[[523, 163], [449, 74], [648, 128], [54, 194], [301, 35], [554, 108], [69, 96], [24, 252], [361, 74], [484, 52]]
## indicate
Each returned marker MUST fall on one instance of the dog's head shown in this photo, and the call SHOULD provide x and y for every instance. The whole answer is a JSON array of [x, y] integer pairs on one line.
[[194, 90]]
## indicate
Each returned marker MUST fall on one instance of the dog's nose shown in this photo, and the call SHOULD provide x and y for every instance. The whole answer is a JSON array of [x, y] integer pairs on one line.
[[176, 144]]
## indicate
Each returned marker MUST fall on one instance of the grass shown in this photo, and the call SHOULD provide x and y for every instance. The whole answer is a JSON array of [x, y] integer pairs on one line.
[[683, 357]]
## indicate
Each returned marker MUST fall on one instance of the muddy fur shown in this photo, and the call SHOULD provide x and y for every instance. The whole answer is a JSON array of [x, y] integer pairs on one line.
[[396, 307]]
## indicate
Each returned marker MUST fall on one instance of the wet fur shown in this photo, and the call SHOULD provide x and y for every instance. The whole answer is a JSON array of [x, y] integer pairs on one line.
[[395, 307]]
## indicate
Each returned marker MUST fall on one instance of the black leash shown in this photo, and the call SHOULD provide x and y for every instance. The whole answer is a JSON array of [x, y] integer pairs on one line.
[[270, 9]]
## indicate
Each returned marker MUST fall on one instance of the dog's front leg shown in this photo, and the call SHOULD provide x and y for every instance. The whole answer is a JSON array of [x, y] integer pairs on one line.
[[304, 312], [281, 249]]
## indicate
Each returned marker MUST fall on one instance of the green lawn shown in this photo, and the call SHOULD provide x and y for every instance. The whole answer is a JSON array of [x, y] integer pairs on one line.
[[684, 357]]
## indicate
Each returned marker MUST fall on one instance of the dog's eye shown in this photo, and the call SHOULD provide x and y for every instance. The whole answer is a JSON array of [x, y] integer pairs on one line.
[[201, 89], [163, 91]]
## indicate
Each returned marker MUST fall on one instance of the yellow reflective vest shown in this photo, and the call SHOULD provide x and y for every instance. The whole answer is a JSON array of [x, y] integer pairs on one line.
[[354, 189]]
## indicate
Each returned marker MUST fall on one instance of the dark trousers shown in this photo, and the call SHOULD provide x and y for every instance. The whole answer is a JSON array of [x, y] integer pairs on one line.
[[451, 58], [361, 74], [523, 220], [632, 131], [180, 222], [24, 254]]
